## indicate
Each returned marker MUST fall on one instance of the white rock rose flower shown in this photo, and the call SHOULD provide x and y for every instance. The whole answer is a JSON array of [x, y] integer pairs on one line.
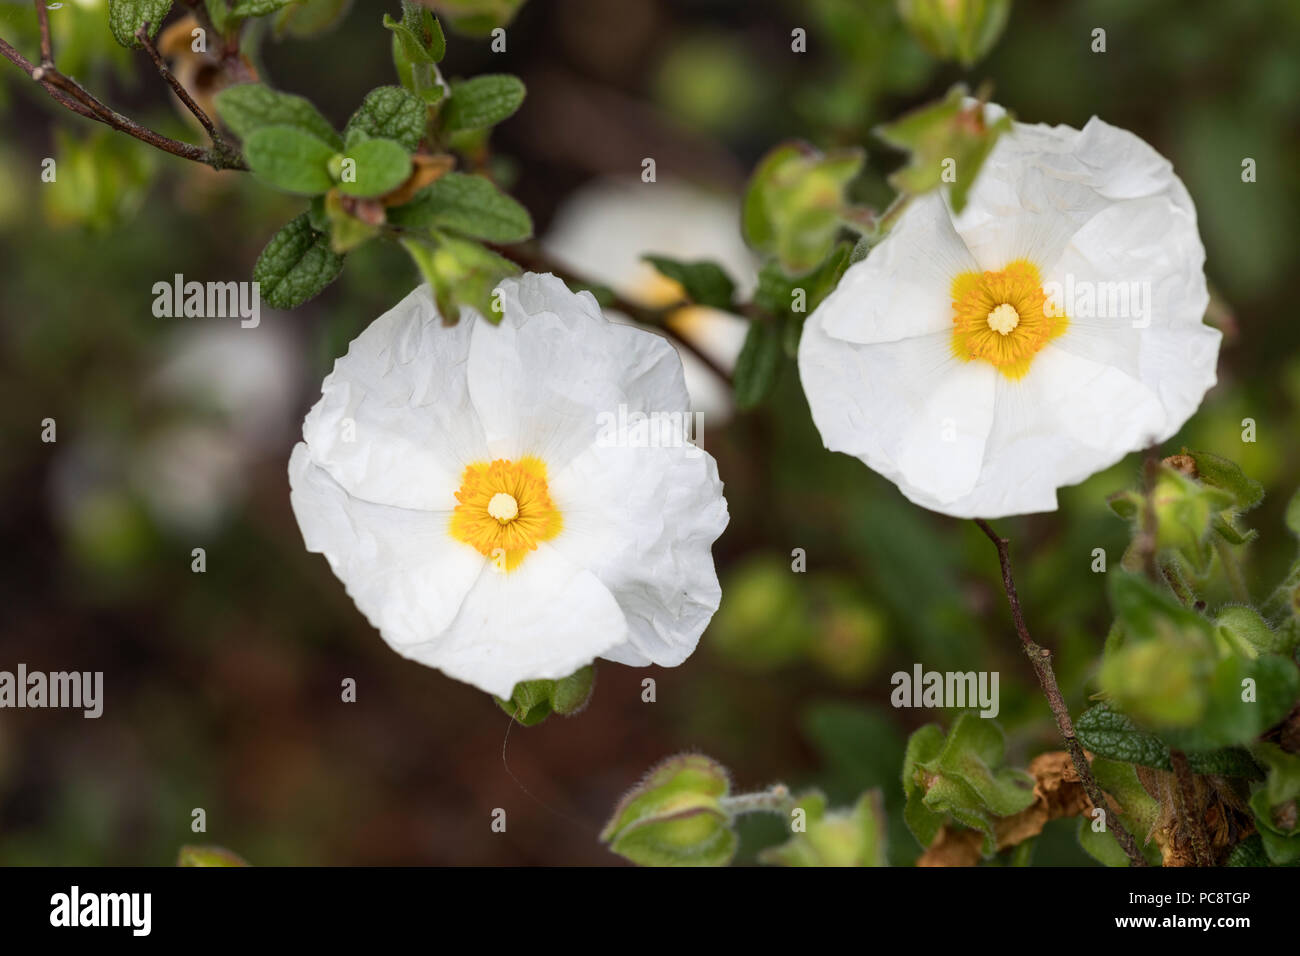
[[467, 486], [982, 361]]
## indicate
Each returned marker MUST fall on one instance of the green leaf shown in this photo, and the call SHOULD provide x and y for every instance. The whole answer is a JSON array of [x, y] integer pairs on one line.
[[1249, 852], [482, 101], [973, 750], [378, 166], [258, 8], [948, 135], [249, 107], [533, 701], [1110, 734], [389, 112], [477, 18], [310, 17], [779, 293], [961, 778], [922, 748], [1219, 472], [125, 17], [1138, 813], [1248, 633], [289, 159], [758, 366], [296, 265], [705, 283], [1275, 804], [470, 205]]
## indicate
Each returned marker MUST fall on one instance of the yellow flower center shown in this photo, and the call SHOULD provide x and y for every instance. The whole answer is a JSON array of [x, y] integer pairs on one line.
[[505, 510], [999, 317]]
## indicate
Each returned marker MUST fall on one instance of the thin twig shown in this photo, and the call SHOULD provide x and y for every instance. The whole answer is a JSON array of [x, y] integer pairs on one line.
[[70, 94], [1041, 659], [1190, 808], [47, 48], [178, 88]]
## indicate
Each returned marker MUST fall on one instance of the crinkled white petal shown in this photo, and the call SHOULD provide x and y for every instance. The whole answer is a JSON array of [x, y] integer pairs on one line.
[[909, 409], [545, 620], [1092, 206], [643, 519], [1067, 419], [394, 424], [407, 575], [540, 380], [904, 287], [1142, 258]]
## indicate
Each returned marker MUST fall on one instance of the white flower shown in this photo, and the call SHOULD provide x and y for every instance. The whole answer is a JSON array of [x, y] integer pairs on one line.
[[461, 483], [604, 229], [982, 361]]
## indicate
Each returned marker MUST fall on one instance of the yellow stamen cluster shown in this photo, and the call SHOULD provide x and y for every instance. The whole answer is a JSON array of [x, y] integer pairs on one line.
[[999, 317], [505, 510]]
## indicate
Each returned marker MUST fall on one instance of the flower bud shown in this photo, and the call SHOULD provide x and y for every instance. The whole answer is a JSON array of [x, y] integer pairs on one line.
[[962, 30], [208, 856], [675, 816]]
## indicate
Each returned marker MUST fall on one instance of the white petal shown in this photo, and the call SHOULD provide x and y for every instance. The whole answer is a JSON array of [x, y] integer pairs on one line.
[[394, 424], [540, 380], [1067, 419], [643, 519], [1041, 184], [407, 575], [545, 620], [904, 286], [1144, 253], [909, 409]]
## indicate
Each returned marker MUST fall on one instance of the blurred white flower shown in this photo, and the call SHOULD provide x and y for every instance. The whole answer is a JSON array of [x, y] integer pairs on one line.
[[982, 361], [229, 394], [456, 481], [605, 228]]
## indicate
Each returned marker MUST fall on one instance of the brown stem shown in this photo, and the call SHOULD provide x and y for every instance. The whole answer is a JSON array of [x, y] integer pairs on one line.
[[1189, 808], [1041, 659], [537, 261], [47, 49], [178, 88], [68, 93]]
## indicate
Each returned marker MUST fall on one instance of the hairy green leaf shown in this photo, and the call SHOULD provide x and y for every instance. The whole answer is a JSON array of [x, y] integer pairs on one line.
[[248, 107], [125, 17], [389, 112], [482, 101], [296, 265], [470, 205]]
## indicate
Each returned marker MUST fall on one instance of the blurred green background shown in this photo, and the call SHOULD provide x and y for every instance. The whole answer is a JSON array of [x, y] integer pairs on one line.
[[222, 689]]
